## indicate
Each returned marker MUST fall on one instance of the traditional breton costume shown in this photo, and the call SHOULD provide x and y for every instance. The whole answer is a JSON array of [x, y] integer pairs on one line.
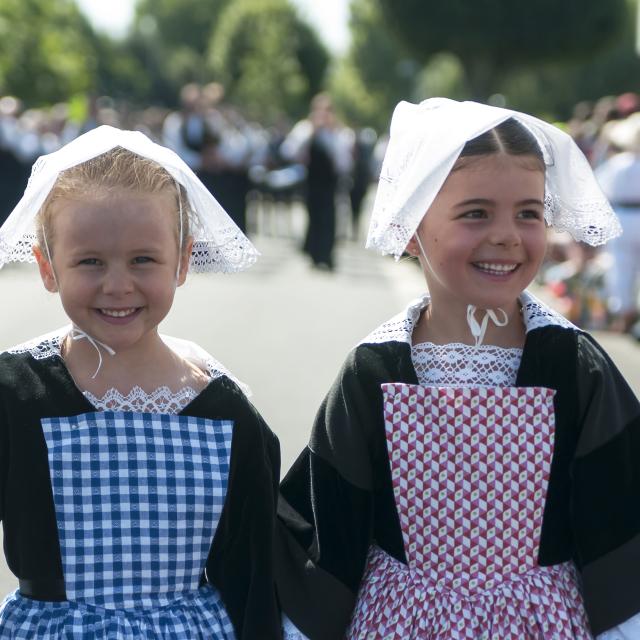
[[457, 491], [138, 515]]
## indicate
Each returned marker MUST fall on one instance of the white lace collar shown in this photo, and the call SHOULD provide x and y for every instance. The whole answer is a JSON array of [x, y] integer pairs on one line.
[[535, 313], [49, 345]]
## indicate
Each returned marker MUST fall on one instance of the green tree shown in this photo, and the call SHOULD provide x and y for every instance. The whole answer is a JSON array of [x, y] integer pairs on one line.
[[46, 51], [269, 60], [492, 36], [180, 23], [377, 71], [170, 39], [555, 88]]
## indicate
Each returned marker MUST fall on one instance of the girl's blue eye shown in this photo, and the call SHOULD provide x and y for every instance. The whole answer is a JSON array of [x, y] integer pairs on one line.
[[142, 260], [91, 262], [530, 214], [474, 215]]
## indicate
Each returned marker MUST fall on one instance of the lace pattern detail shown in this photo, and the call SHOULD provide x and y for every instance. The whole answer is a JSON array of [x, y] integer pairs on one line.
[[161, 400], [461, 364], [43, 347], [400, 327], [535, 313]]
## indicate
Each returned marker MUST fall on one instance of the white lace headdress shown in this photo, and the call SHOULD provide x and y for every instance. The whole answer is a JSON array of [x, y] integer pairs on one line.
[[425, 142], [218, 245]]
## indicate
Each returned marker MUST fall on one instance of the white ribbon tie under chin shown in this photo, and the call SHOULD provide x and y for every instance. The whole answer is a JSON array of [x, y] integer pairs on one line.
[[479, 329], [79, 334]]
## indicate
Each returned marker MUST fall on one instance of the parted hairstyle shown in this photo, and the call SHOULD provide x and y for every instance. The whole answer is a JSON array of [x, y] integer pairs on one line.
[[510, 137]]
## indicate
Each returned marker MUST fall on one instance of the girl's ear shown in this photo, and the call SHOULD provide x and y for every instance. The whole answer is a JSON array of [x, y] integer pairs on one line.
[[184, 261], [46, 270], [412, 247]]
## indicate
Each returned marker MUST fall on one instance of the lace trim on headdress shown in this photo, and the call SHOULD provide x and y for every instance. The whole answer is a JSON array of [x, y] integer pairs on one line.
[[219, 244], [425, 141], [571, 219], [235, 253], [400, 328], [50, 345]]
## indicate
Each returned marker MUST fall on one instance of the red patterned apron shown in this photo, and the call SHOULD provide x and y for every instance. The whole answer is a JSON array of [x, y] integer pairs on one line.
[[470, 469]]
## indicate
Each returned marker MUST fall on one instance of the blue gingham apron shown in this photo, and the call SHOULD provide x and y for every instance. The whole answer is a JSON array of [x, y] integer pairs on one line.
[[138, 497]]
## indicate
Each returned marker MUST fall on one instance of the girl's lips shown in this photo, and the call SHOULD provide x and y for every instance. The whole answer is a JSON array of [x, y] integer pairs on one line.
[[118, 313], [498, 269], [119, 316]]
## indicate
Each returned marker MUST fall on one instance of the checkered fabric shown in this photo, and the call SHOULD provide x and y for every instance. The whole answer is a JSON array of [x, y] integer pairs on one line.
[[199, 615], [138, 497], [470, 468]]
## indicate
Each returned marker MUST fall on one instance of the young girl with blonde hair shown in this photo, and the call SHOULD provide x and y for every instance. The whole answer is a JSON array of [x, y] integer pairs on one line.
[[137, 482]]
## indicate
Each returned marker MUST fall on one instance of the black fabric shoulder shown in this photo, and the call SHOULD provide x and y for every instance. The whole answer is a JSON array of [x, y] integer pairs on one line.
[[337, 499], [30, 390], [240, 561], [606, 401], [347, 433], [606, 477], [590, 515]]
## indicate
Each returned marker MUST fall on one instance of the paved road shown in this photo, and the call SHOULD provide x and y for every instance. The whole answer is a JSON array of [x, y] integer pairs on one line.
[[281, 327]]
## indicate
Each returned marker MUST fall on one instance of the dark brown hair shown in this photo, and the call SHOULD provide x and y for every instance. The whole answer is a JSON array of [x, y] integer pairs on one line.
[[510, 137]]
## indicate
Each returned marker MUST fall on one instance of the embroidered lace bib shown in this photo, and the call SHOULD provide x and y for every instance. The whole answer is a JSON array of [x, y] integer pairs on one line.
[[459, 364], [161, 400]]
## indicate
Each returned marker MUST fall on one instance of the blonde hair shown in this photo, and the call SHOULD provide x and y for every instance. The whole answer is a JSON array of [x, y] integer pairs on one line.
[[115, 170]]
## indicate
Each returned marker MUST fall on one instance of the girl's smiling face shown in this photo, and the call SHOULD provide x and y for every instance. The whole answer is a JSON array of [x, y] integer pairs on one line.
[[484, 236], [115, 264]]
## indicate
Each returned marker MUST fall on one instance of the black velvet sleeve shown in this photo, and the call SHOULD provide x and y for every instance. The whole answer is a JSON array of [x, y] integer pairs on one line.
[[337, 498], [606, 496], [4, 454], [240, 562]]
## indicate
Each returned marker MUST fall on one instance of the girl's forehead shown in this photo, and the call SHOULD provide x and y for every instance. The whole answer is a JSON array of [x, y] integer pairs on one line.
[[107, 211], [495, 176], [492, 161]]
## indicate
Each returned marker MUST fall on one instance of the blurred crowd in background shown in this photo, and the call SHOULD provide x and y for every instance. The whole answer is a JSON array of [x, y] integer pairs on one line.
[[257, 171]]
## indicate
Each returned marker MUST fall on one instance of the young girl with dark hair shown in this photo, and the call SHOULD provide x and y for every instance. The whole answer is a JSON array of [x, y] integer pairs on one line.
[[473, 472]]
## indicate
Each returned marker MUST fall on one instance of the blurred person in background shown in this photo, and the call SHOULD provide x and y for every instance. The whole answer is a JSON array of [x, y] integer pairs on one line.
[[619, 177], [13, 172], [362, 174], [183, 130], [325, 147]]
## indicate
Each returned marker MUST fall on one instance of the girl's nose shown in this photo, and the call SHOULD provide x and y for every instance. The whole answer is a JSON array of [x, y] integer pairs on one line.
[[117, 280], [504, 234]]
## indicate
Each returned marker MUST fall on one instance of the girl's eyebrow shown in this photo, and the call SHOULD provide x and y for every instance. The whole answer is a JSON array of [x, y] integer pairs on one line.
[[488, 201]]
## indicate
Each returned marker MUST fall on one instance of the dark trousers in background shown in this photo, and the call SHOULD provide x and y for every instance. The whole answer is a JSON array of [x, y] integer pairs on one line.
[[321, 230]]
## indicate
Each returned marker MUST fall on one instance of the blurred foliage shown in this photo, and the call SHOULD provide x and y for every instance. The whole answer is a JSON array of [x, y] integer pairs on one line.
[[377, 71], [180, 24], [171, 39], [46, 50], [542, 56], [491, 36], [268, 59], [555, 88]]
